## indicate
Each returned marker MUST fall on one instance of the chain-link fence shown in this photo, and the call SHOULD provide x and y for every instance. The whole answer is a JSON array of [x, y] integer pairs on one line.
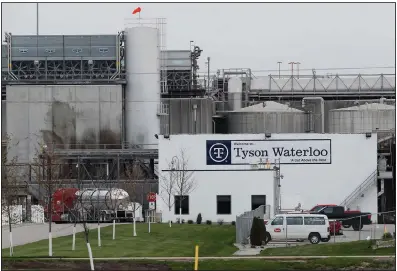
[[358, 227], [244, 222]]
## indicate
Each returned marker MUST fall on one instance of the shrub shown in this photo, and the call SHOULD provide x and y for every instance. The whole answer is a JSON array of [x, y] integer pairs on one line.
[[220, 221], [190, 222], [233, 223], [208, 222], [387, 235], [183, 221], [199, 219], [257, 236]]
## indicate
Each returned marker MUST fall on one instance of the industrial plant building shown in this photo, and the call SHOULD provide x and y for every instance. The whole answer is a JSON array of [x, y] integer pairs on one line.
[[315, 168], [103, 101]]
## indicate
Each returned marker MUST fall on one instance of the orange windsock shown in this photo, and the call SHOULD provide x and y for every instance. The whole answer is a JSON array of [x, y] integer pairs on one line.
[[137, 10]]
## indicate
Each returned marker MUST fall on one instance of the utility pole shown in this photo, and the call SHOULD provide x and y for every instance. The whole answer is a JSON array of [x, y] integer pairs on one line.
[[297, 64], [279, 64]]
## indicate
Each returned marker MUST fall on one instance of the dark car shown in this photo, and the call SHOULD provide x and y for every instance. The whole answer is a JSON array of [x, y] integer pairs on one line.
[[356, 219]]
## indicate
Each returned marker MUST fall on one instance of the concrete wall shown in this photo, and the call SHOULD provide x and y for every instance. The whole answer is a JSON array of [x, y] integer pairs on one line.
[[352, 158], [203, 199], [368, 202], [65, 115]]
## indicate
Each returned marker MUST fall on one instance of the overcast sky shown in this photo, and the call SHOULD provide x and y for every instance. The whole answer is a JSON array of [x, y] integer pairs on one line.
[[236, 35]]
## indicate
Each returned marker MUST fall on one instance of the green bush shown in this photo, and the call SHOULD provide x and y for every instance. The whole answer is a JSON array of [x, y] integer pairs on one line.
[[233, 223], [199, 219], [190, 222], [258, 230], [208, 222], [220, 221], [387, 235]]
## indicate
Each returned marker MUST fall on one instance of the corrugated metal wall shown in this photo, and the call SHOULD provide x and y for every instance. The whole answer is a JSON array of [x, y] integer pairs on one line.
[[182, 116], [64, 115], [258, 122]]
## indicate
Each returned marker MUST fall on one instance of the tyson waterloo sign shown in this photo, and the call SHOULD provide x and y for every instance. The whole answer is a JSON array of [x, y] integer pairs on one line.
[[243, 152]]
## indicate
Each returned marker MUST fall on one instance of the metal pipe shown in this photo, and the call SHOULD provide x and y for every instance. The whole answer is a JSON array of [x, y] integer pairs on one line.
[[321, 100], [279, 65], [208, 59], [37, 19]]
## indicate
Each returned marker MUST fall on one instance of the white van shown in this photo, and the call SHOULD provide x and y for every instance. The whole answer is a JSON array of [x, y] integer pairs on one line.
[[314, 227]]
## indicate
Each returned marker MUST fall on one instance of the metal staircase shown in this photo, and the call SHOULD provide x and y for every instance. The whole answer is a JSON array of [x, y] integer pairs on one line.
[[367, 183]]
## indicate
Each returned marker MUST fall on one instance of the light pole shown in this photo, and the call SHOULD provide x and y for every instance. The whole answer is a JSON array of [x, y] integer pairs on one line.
[[297, 64], [292, 68], [279, 65]]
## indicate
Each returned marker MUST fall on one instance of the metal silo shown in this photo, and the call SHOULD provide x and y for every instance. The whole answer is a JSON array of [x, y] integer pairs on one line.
[[266, 117], [235, 92], [142, 93], [362, 118]]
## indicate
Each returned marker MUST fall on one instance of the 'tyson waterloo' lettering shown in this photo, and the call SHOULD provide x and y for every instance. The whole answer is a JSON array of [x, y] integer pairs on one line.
[[281, 151]]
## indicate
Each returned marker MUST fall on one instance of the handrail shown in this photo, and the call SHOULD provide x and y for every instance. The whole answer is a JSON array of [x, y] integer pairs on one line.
[[362, 187]]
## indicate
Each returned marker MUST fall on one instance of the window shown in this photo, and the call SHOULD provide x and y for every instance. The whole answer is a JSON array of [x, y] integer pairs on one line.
[[296, 220], [278, 221], [314, 220], [328, 210], [182, 202], [223, 205], [257, 200]]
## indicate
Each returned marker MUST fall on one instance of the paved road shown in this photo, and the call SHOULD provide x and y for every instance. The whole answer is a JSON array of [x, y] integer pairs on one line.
[[29, 233]]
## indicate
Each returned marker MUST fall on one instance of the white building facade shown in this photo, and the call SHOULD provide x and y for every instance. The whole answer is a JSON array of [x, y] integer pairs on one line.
[[316, 169]]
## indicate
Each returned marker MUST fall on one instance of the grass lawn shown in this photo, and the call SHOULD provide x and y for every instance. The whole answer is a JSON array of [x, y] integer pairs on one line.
[[163, 241], [318, 264], [358, 248]]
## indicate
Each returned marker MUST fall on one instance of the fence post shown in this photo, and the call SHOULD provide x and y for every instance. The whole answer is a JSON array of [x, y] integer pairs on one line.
[[334, 231], [286, 233]]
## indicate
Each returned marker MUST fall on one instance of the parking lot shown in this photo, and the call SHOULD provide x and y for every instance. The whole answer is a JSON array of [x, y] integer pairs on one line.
[[349, 235]]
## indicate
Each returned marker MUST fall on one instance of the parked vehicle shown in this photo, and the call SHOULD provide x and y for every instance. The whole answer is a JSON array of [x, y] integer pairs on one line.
[[334, 225], [312, 227], [356, 219], [92, 205]]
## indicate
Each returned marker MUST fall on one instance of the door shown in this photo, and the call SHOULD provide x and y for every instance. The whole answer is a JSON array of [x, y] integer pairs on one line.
[[294, 228], [277, 228]]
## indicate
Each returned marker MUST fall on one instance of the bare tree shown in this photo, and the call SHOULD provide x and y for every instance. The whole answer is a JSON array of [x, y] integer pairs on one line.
[[49, 172], [167, 185], [11, 185], [134, 179], [180, 181]]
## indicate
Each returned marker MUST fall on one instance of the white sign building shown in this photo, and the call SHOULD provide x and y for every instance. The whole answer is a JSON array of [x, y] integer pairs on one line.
[[316, 169]]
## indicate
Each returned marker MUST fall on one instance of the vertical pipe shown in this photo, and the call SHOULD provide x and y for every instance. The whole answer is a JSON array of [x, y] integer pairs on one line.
[[37, 19], [208, 73], [196, 258]]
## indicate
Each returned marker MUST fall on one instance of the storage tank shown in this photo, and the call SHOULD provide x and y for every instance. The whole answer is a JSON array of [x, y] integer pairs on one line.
[[235, 92], [266, 117], [362, 118], [102, 199], [142, 92]]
